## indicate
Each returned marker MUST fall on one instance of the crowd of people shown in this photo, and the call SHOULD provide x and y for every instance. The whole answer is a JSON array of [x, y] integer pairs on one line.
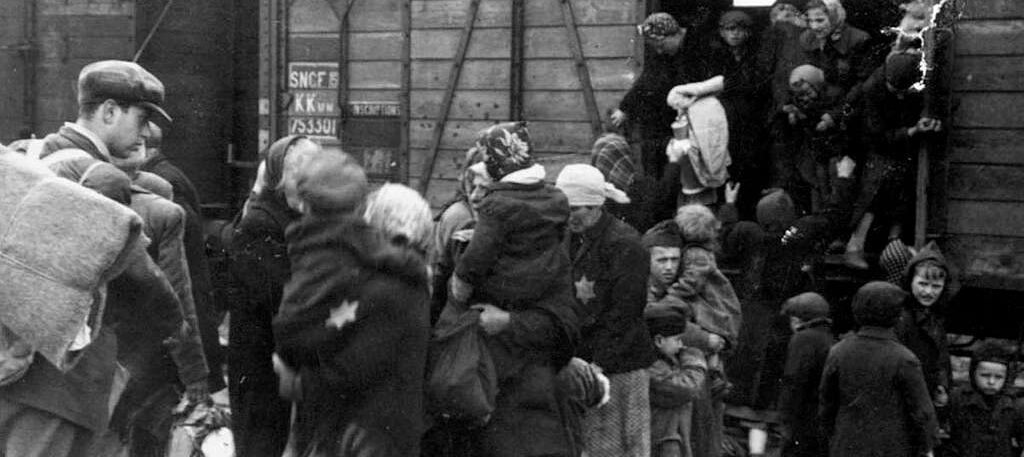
[[615, 309]]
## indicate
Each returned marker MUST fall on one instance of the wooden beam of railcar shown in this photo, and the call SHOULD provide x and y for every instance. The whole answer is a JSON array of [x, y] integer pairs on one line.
[[449, 94], [581, 67]]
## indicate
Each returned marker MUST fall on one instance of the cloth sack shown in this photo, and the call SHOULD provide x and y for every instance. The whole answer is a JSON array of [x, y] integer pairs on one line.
[[60, 244], [709, 133], [462, 380]]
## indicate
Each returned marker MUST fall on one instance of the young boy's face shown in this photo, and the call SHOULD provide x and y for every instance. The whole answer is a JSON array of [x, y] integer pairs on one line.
[[734, 35], [926, 291], [669, 345], [989, 377], [664, 263]]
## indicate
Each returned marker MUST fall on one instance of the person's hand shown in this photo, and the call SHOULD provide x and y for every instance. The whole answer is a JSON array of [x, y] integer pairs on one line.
[[732, 191], [289, 387], [464, 235], [198, 393], [715, 343], [492, 319], [845, 167], [676, 149], [929, 124], [826, 123], [682, 96], [460, 289], [618, 117]]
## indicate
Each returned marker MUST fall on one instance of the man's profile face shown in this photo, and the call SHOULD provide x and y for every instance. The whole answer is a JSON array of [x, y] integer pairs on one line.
[[128, 129], [665, 263]]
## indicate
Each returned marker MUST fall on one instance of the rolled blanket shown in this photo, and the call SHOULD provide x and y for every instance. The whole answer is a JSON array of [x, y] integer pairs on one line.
[[59, 244]]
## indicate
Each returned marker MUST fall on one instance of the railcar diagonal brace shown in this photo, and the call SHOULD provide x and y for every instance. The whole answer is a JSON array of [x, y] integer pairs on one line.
[[581, 67], [449, 94], [152, 31], [342, 16]]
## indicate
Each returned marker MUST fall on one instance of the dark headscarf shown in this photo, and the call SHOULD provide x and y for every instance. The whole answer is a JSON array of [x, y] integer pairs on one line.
[[99, 176], [878, 304], [273, 157], [506, 148], [270, 198]]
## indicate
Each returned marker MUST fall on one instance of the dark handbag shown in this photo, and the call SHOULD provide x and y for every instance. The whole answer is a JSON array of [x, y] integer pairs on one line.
[[461, 379]]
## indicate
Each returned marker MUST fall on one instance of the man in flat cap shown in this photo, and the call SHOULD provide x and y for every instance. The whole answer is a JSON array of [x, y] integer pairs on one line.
[[71, 409], [116, 100]]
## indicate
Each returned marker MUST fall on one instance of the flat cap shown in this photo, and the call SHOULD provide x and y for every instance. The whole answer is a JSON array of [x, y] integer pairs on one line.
[[122, 81]]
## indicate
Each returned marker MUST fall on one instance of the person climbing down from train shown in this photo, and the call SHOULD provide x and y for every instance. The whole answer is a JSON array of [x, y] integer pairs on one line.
[[734, 54], [894, 125], [930, 284], [677, 61], [983, 418], [806, 140], [516, 273]]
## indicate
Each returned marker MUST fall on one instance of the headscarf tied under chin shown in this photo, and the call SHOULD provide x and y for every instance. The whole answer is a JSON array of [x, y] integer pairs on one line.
[[99, 176], [273, 159], [506, 148]]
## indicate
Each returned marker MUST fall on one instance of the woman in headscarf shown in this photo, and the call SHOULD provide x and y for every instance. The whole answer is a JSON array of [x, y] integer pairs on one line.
[[516, 273], [455, 217], [259, 263], [840, 49]]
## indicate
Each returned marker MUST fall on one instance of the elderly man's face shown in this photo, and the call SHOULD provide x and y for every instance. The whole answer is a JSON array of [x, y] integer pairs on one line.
[[665, 263]]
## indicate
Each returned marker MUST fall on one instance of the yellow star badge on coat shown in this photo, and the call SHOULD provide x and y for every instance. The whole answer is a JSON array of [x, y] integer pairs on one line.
[[585, 290], [343, 314]]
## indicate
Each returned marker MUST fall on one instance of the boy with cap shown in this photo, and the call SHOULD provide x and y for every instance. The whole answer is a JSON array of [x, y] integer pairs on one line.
[[677, 378], [874, 400], [116, 100], [984, 421], [808, 347], [609, 270]]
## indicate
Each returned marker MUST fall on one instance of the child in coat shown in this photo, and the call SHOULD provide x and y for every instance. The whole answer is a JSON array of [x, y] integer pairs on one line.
[[873, 397], [983, 419], [922, 328], [677, 379], [805, 359]]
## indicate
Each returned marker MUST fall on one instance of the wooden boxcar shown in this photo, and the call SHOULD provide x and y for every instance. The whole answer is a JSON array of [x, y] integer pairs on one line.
[[378, 78]]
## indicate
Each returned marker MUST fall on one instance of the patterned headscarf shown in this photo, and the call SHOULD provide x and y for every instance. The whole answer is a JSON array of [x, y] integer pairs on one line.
[[506, 148], [611, 154], [657, 26]]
